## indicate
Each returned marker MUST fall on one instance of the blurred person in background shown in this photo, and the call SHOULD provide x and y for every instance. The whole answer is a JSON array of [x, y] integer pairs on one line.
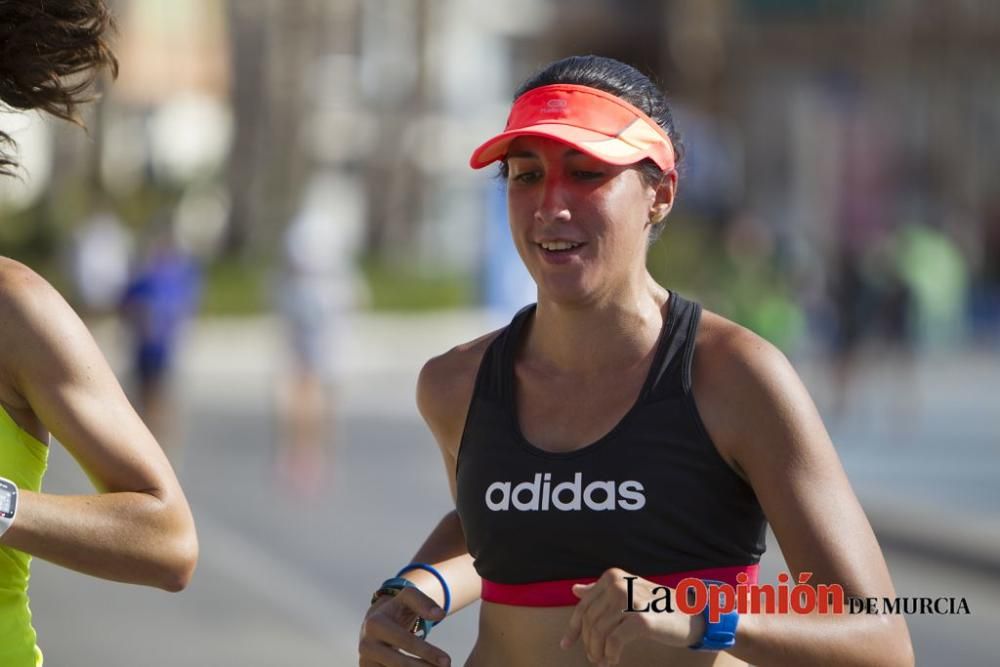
[[896, 323], [986, 305], [99, 264], [505, 283], [316, 293], [851, 298], [937, 274], [703, 428], [875, 315], [54, 380], [159, 301]]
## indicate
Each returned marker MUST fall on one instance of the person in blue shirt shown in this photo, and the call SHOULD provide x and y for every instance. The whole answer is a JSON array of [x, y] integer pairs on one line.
[[158, 302]]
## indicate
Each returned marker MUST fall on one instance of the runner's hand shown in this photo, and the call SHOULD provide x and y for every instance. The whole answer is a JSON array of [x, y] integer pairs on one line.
[[601, 623], [385, 632]]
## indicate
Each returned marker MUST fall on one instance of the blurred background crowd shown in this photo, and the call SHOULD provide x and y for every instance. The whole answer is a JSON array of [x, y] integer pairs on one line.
[[307, 159], [837, 180]]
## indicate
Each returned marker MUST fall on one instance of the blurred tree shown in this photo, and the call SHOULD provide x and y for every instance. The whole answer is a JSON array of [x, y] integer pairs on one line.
[[273, 46], [394, 53]]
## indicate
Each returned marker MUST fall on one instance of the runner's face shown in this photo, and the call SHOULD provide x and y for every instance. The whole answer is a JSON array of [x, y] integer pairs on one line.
[[579, 224]]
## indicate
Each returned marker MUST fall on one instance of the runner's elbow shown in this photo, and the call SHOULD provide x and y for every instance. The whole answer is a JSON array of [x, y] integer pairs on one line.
[[904, 654], [900, 649], [176, 571]]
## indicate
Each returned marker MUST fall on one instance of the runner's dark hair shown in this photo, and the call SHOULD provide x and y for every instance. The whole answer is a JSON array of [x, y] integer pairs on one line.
[[51, 52]]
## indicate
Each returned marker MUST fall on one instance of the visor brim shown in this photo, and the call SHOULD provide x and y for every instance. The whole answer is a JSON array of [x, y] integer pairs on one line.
[[596, 144]]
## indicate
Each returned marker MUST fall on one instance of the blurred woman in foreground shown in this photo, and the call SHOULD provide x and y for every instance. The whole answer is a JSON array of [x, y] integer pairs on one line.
[[54, 380]]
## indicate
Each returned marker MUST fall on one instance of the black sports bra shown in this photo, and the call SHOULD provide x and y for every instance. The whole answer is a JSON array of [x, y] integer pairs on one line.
[[653, 496]]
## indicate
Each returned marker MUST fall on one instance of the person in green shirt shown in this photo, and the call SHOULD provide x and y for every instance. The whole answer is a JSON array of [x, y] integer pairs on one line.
[[54, 380]]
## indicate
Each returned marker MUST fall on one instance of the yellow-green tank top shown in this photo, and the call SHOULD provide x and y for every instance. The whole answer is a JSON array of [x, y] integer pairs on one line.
[[22, 461]]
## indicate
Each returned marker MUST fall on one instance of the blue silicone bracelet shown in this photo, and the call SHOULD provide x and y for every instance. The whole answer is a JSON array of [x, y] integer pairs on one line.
[[432, 570]]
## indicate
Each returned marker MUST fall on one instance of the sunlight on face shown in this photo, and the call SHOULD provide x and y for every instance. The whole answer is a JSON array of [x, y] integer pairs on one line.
[[580, 224]]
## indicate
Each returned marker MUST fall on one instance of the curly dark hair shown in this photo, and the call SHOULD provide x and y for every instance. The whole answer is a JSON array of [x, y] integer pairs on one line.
[[51, 52]]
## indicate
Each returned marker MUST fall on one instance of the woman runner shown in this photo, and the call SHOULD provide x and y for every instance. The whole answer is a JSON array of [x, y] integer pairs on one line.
[[615, 437]]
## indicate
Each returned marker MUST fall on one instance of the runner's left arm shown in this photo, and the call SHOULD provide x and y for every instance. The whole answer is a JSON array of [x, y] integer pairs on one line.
[[138, 528], [763, 421]]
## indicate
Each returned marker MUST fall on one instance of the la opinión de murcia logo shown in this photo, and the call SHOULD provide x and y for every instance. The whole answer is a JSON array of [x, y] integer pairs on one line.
[[539, 495], [693, 596]]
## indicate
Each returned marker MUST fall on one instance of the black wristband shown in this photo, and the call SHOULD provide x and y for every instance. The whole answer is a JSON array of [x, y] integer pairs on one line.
[[393, 587]]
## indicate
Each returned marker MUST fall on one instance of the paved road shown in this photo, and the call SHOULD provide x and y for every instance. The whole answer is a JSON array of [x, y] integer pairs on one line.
[[283, 580]]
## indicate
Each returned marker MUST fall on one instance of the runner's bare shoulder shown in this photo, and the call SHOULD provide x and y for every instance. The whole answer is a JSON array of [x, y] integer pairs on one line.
[[445, 385], [742, 384], [35, 320], [28, 305]]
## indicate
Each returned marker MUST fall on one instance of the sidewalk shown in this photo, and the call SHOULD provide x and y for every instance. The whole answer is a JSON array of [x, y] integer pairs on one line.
[[927, 477]]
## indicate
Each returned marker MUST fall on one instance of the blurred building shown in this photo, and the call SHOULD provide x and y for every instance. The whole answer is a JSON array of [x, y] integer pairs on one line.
[[829, 123]]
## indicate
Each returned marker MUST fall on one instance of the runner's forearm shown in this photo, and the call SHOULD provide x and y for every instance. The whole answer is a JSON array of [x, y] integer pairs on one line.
[[445, 549], [131, 537], [818, 639]]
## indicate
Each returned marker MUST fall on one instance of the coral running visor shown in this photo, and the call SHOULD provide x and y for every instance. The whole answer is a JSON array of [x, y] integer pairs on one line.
[[590, 120]]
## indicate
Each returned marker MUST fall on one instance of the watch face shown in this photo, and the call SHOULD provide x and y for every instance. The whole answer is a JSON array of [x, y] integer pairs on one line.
[[8, 500]]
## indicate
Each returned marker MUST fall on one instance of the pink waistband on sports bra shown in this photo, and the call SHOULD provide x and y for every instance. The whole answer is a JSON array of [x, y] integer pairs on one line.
[[559, 593]]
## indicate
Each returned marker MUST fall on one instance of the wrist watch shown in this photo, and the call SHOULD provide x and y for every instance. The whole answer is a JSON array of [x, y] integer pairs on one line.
[[721, 634], [718, 636], [391, 587], [8, 504]]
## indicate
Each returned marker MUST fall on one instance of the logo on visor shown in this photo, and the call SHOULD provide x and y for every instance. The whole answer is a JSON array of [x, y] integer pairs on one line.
[[555, 106]]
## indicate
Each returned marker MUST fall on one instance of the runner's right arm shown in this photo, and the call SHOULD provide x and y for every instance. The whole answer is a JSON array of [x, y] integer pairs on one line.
[[444, 392]]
